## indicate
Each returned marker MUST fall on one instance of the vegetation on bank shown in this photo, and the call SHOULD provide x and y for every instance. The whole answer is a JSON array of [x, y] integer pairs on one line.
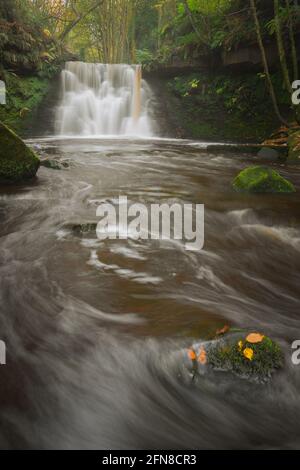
[[24, 95], [226, 106], [220, 102]]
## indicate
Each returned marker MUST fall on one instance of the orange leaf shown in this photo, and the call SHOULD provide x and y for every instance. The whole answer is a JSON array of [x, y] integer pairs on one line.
[[202, 357], [192, 354], [254, 338], [223, 330]]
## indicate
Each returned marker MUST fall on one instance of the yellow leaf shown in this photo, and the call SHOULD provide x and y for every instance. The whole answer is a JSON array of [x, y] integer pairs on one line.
[[240, 345], [248, 353], [254, 338]]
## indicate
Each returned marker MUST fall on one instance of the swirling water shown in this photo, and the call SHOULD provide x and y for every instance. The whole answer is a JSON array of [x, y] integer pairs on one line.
[[92, 328]]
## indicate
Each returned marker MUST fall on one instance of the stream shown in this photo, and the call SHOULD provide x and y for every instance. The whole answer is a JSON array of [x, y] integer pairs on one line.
[[91, 326]]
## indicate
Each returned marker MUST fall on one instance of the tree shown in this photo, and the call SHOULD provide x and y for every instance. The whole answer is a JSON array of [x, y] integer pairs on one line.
[[265, 62]]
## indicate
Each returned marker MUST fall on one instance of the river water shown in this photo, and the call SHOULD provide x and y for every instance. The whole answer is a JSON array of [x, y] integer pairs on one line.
[[92, 327]]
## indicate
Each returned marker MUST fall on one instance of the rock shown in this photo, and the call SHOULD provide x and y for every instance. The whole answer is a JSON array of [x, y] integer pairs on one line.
[[294, 147], [17, 161], [80, 229], [246, 354], [54, 164], [255, 149], [269, 154], [258, 179]]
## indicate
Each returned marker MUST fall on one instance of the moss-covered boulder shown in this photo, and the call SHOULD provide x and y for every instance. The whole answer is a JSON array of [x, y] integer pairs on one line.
[[17, 161], [249, 355], [259, 179]]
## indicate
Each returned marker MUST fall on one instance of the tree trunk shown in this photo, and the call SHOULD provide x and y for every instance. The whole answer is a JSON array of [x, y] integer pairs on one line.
[[265, 62], [281, 51], [292, 39]]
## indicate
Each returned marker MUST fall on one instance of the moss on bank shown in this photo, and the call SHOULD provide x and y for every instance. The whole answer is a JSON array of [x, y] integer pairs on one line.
[[258, 179], [23, 97], [228, 107], [17, 161]]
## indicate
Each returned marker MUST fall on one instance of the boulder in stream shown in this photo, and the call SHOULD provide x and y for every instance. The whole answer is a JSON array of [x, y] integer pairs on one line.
[[250, 355], [17, 161], [259, 179]]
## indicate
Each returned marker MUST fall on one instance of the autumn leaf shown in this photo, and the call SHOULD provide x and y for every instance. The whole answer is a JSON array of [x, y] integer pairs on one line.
[[248, 353], [202, 357], [192, 354], [223, 330], [254, 338]]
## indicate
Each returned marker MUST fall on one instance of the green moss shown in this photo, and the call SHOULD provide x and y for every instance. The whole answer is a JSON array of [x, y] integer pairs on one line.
[[228, 107], [259, 179], [24, 94], [228, 355], [17, 161]]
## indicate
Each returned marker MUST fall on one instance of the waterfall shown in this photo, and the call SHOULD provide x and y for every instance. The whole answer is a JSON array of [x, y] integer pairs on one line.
[[103, 99]]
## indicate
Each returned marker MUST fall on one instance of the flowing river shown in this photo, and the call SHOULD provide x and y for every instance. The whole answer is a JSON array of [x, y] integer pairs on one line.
[[91, 326]]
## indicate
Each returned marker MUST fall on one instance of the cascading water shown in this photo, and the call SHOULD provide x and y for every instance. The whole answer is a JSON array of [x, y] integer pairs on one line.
[[104, 99]]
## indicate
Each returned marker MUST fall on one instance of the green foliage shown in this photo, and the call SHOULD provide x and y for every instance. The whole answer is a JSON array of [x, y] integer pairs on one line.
[[226, 106], [22, 93], [146, 58]]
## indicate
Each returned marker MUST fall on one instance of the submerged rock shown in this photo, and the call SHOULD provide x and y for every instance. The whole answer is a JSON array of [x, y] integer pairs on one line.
[[248, 355], [17, 161], [54, 164], [258, 179], [269, 154]]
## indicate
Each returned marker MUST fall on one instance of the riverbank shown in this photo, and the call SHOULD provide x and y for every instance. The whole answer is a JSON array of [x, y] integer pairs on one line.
[[219, 107]]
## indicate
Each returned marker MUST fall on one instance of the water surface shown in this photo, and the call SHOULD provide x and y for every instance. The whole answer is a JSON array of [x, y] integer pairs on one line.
[[92, 328]]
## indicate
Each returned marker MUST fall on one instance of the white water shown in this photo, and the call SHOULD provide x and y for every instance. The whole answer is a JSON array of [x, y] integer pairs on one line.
[[104, 99]]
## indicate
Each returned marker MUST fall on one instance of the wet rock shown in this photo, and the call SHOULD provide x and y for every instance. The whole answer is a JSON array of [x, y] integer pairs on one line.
[[17, 161], [258, 179], [246, 354], [82, 228], [268, 154], [54, 164]]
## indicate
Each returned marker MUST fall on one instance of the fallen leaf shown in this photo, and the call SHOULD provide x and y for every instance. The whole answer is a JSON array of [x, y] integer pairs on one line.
[[223, 330], [248, 353], [254, 338], [192, 354], [202, 357]]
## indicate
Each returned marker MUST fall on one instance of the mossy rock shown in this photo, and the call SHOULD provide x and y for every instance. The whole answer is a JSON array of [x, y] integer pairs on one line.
[[238, 354], [258, 179], [254, 360], [17, 161], [54, 164]]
